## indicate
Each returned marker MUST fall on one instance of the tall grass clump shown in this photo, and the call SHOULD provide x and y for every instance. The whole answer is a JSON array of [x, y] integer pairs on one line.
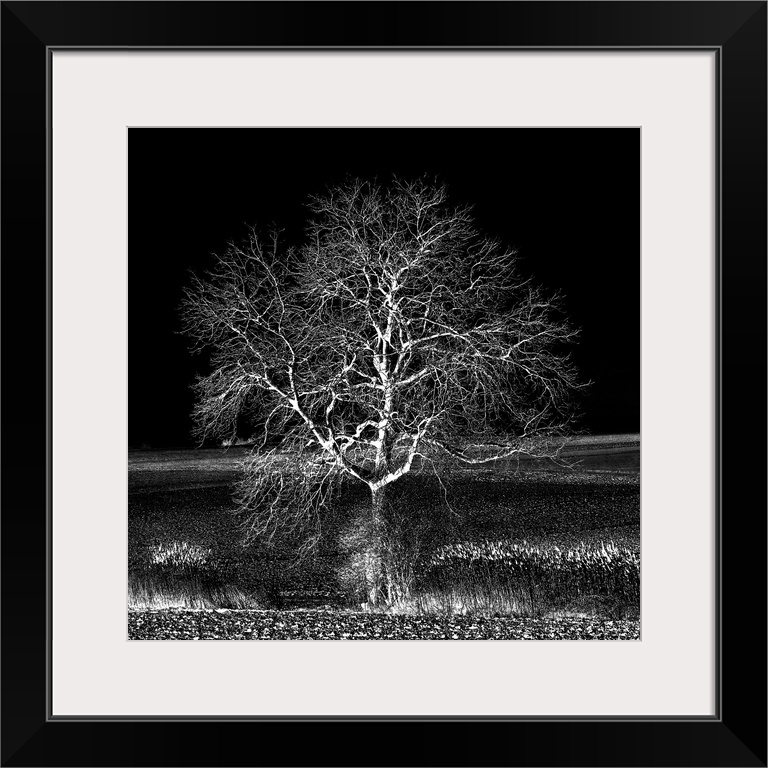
[[402, 543], [184, 575], [416, 520], [521, 579]]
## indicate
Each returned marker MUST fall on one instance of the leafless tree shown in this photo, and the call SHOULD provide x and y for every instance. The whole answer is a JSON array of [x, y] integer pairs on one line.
[[396, 337]]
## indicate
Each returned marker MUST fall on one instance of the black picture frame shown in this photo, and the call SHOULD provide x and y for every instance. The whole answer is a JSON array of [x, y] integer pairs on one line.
[[736, 735]]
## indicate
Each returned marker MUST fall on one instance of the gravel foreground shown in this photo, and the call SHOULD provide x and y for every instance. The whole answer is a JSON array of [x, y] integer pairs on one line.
[[180, 624]]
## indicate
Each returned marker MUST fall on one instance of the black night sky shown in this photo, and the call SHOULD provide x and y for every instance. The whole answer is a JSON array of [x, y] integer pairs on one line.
[[567, 199]]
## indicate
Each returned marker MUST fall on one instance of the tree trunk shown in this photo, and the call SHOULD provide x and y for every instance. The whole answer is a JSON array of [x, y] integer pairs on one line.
[[374, 556]]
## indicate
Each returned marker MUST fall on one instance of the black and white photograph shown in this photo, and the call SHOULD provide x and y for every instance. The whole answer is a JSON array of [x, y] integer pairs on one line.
[[354, 316], [384, 384]]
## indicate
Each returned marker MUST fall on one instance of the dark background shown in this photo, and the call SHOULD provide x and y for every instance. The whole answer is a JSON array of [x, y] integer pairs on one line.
[[567, 199]]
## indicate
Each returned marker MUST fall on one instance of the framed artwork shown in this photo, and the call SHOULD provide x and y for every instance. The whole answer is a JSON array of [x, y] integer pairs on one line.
[[477, 296]]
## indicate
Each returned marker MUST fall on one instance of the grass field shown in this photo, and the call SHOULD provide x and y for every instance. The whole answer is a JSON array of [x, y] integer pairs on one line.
[[185, 554]]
